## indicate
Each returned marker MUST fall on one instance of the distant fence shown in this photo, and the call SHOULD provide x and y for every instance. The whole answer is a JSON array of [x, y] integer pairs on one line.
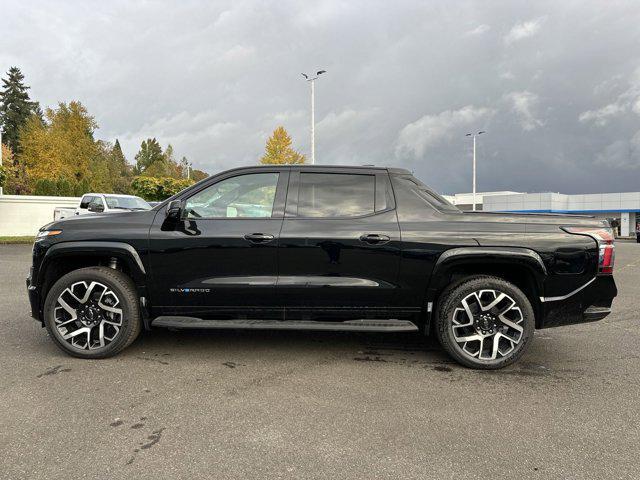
[[25, 214]]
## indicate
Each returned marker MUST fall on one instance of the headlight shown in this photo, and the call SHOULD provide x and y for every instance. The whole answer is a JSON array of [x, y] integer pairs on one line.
[[47, 233]]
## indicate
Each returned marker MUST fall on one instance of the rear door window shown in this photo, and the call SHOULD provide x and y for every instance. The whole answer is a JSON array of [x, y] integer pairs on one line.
[[327, 195]]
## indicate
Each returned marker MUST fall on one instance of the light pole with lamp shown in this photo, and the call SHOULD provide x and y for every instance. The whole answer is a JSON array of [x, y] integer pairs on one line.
[[474, 135], [312, 81]]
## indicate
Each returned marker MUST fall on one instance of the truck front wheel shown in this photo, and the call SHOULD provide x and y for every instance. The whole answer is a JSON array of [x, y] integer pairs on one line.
[[92, 312], [484, 322]]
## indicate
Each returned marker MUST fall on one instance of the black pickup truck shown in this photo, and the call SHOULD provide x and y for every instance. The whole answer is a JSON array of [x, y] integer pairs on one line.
[[320, 248]]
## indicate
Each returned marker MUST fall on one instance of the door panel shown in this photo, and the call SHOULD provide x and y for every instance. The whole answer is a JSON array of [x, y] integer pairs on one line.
[[343, 267], [221, 267]]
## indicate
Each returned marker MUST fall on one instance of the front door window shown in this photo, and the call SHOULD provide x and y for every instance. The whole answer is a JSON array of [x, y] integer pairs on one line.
[[244, 196]]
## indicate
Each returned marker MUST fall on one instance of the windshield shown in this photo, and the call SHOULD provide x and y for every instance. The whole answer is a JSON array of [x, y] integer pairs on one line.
[[126, 203]]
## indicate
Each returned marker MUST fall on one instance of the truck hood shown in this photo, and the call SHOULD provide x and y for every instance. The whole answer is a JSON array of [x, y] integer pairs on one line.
[[99, 220]]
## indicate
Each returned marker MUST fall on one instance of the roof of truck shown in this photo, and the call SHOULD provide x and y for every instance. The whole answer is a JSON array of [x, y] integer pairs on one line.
[[401, 171]]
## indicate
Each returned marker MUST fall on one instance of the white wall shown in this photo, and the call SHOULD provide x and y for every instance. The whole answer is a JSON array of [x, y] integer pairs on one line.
[[25, 214], [603, 202], [467, 198]]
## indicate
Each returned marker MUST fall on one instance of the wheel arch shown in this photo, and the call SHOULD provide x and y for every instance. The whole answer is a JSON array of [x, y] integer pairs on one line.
[[65, 257]]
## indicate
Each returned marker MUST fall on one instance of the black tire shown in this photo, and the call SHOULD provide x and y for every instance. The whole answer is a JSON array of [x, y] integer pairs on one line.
[[123, 288], [450, 304]]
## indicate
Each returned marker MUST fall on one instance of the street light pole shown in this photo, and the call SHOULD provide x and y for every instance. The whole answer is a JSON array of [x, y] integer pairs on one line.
[[474, 173], [313, 122], [312, 81], [474, 135]]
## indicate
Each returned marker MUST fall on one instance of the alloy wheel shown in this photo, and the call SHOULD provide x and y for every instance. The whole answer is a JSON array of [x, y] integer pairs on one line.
[[487, 324], [87, 315]]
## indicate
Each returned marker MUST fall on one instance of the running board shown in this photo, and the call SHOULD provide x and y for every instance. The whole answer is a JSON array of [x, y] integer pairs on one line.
[[346, 326]]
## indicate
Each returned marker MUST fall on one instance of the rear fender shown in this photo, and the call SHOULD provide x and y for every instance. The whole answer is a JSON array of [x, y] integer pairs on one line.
[[477, 259]]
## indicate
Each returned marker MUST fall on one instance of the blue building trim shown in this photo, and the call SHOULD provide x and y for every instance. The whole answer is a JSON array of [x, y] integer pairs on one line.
[[571, 211]]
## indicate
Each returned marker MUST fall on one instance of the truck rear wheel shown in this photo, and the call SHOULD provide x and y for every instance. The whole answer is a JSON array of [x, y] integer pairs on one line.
[[484, 322], [93, 312]]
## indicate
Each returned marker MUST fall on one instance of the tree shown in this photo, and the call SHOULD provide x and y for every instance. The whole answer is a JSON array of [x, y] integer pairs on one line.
[[15, 108], [197, 175], [279, 151], [62, 187], [15, 182], [6, 160], [118, 158], [119, 169], [150, 152], [158, 189], [151, 161], [63, 147]]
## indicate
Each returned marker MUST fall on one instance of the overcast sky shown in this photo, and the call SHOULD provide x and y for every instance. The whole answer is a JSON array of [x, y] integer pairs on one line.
[[555, 84]]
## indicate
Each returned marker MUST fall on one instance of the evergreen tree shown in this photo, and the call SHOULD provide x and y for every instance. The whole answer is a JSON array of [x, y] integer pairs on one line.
[[168, 154], [15, 108], [118, 157], [121, 170], [279, 151]]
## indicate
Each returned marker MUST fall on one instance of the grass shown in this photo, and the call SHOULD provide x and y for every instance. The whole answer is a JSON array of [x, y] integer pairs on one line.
[[15, 240]]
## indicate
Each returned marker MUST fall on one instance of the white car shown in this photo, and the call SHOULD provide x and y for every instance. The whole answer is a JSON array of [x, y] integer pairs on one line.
[[109, 203]]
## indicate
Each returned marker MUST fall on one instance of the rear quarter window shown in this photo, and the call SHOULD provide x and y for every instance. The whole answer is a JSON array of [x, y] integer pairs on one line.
[[427, 195]]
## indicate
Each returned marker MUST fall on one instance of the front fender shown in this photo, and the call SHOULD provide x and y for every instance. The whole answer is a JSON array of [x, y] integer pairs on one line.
[[120, 250]]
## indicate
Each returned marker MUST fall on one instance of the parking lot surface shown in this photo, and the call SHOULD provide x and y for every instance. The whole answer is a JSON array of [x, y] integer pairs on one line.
[[234, 404]]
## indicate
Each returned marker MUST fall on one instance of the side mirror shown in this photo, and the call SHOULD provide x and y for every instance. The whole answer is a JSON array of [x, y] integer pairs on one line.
[[96, 207], [174, 209]]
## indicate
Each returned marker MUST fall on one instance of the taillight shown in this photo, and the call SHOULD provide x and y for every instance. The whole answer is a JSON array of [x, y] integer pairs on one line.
[[604, 238]]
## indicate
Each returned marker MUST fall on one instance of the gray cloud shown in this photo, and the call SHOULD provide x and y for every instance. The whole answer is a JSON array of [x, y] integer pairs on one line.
[[417, 137], [524, 104], [627, 101], [479, 30], [555, 84], [523, 30]]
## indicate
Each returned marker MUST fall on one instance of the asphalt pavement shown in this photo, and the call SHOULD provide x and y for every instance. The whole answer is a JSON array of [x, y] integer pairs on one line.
[[233, 404]]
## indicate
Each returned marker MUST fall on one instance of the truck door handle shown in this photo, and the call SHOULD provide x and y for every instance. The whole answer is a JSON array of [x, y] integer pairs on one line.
[[258, 237], [374, 239]]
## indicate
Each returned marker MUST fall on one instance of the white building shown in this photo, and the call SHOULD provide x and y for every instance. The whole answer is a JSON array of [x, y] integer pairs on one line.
[[624, 207], [464, 201]]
